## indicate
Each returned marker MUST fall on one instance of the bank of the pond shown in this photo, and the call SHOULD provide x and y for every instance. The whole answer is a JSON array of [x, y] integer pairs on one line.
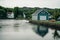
[[53, 25]]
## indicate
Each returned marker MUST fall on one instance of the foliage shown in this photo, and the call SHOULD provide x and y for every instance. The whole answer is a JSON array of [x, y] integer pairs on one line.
[[56, 14], [9, 9], [28, 11], [2, 14], [17, 12]]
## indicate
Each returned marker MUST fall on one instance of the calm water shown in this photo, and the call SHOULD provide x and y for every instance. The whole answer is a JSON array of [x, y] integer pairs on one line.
[[22, 30]]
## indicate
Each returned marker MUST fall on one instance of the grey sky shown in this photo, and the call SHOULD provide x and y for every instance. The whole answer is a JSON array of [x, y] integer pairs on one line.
[[31, 3]]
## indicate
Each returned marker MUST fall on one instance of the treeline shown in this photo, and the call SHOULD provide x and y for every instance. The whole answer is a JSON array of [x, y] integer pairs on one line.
[[55, 13], [18, 12], [28, 11]]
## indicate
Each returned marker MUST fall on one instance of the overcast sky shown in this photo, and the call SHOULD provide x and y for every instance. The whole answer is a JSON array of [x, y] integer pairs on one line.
[[31, 3]]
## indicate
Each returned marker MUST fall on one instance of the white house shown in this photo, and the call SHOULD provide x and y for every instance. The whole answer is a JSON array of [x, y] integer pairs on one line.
[[40, 14], [10, 15]]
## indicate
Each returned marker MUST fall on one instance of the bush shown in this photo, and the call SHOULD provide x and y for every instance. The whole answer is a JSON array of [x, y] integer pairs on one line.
[[2, 14]]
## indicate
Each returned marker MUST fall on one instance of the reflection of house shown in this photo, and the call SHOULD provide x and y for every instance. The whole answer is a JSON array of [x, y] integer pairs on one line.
[[41, 14], [10, 15], [42, 31]]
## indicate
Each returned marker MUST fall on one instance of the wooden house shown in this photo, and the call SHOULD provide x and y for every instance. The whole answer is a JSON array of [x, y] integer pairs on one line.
[[40, 14]]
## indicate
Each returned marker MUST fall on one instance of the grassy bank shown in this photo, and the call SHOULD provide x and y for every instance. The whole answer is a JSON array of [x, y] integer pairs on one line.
[[55, 25], [57, 22]]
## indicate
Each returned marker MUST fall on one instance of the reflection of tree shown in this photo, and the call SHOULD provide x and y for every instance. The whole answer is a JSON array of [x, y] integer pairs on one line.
[[56, 34], [16, 25], [0, 28]]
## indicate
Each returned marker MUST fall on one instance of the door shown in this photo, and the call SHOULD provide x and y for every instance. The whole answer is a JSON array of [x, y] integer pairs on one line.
[[43, 18]]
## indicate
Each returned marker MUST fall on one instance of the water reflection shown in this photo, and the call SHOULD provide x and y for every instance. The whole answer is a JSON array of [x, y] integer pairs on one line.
[[0, 28], [41, 30], [21, 30], [16, 27], [56, 34]]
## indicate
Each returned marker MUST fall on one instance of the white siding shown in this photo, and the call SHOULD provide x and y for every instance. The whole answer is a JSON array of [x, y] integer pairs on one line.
[[34, 17], [49, 16], [42, 17], [10, 15]]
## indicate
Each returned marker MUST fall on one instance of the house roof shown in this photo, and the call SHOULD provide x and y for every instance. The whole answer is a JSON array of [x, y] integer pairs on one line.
[[39, 10]]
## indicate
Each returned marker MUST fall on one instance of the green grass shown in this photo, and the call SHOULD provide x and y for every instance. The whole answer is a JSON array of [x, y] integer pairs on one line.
[[47, 21], [57, 22]]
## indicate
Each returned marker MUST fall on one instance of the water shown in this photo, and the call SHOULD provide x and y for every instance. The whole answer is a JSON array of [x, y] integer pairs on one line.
[[22, 30]]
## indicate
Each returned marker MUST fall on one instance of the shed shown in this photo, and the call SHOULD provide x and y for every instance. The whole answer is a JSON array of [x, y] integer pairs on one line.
[[40, 14]]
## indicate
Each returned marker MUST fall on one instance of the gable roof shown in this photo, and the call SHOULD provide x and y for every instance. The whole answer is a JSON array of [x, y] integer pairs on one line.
[[39, 10]]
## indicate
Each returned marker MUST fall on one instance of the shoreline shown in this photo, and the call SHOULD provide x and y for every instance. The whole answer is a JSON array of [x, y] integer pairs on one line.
[[47, 24]]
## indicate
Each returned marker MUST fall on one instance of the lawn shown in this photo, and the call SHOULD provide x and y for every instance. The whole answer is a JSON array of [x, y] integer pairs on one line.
[[57, 22]]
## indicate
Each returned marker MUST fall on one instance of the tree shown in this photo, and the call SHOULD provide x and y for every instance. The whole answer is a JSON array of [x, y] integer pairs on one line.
[[56, 14], [2, 14], [9, 9], [17, 12]]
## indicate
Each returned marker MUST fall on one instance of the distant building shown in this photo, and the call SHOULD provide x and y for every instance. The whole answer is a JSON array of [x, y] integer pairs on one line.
[[41, 14], [10, 15]]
